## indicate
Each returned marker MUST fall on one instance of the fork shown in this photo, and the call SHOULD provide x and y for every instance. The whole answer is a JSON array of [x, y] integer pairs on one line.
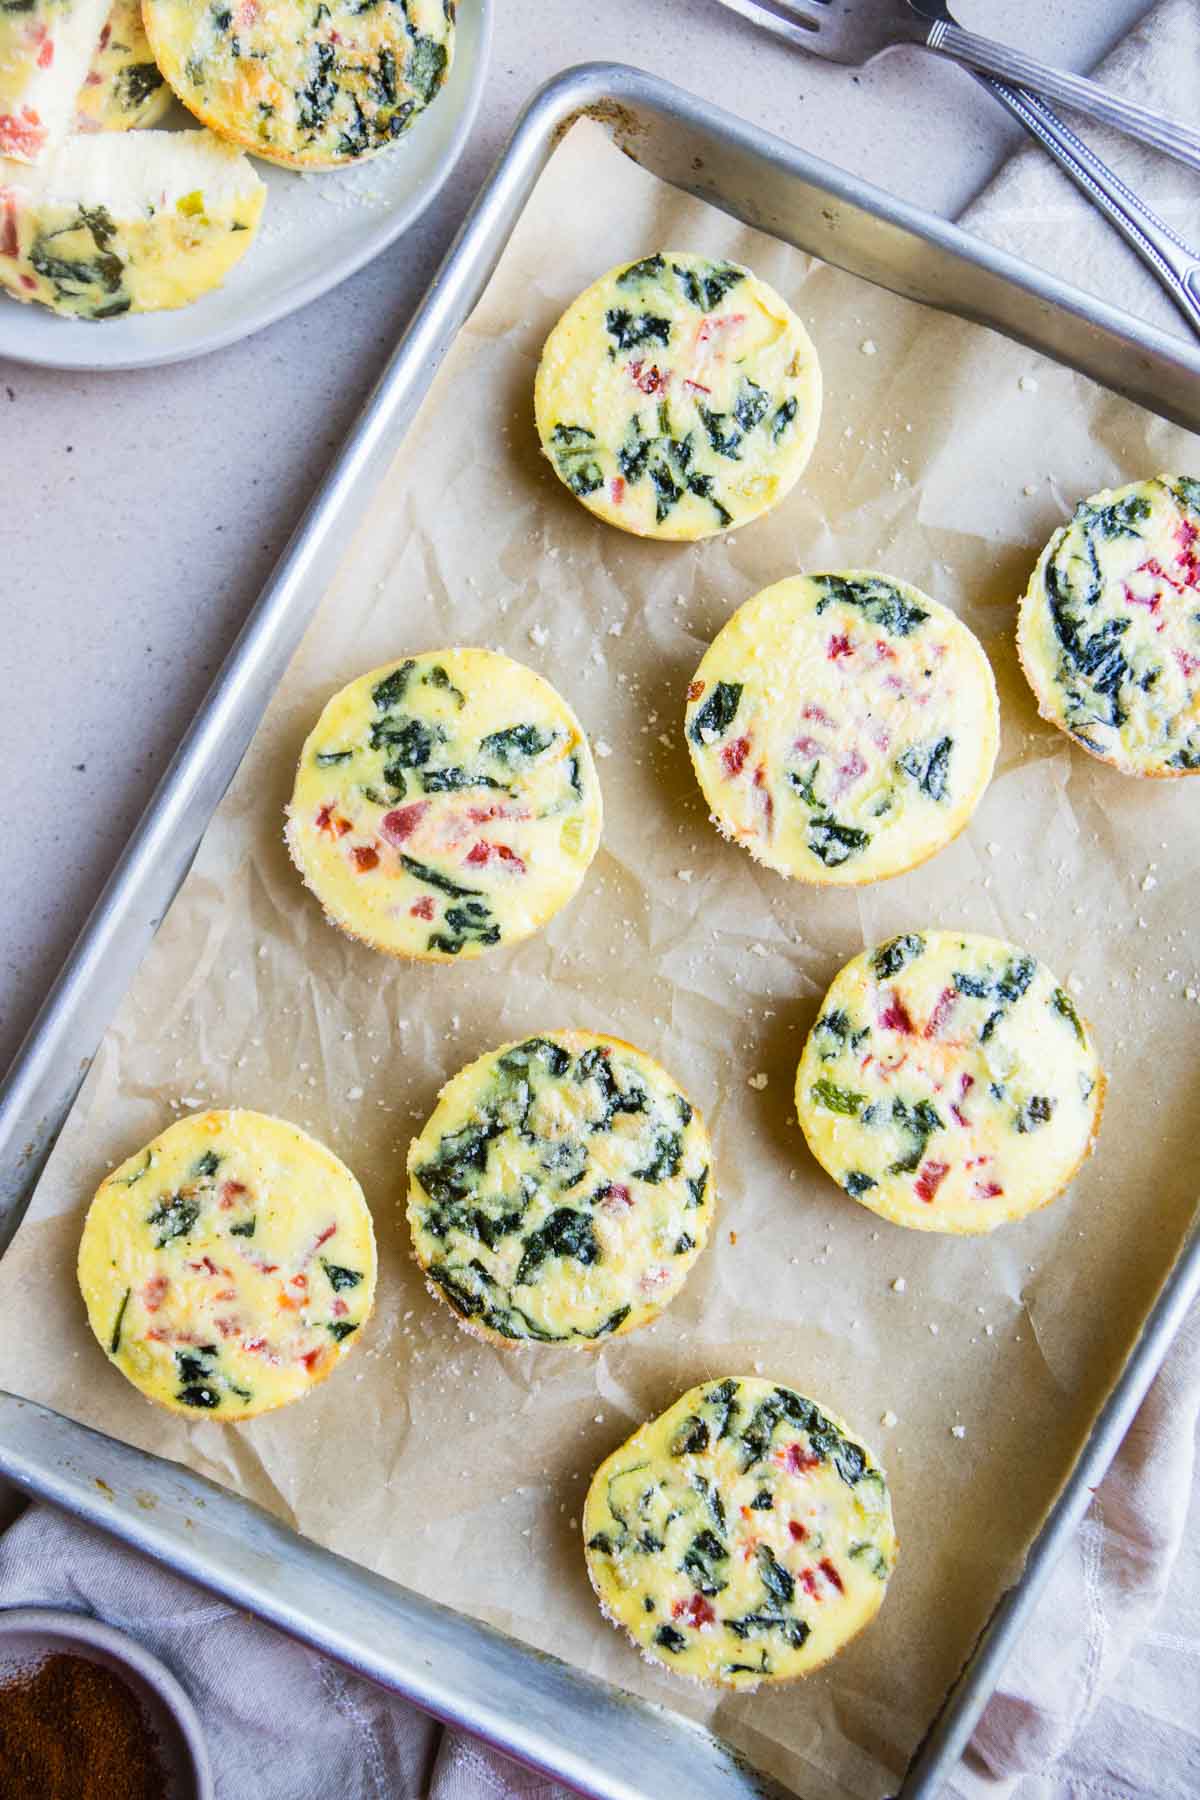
[[1170, 260], [854, 31]]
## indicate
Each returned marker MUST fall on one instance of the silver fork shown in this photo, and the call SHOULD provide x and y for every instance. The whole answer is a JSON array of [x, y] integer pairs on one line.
[[1175, 265], [854, 31]]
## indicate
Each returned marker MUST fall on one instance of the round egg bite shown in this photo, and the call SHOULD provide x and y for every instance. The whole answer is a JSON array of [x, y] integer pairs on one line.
[[950, 1083], [678, 397], [444, 805], [229, 1266], [743, 1536], [312, 87], [560, 1192], [124, 89], [1109, 627], [843, 727]]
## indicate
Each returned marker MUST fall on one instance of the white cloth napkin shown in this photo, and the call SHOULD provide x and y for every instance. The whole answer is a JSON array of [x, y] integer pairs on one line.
[[1100, 1700]]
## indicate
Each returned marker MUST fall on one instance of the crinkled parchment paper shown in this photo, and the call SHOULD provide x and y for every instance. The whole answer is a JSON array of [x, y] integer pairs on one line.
[[946, 456]]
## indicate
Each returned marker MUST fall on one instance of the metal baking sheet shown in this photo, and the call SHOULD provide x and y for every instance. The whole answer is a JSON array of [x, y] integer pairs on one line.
[[586, 1732]]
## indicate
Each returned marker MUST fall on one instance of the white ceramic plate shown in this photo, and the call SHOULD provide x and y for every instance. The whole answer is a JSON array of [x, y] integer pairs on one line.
[[317, 229]]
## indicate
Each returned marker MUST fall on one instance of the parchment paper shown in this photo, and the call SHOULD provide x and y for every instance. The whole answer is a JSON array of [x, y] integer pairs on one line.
[[946, 456]]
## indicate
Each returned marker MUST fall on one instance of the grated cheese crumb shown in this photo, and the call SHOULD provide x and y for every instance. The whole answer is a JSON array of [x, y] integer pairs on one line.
[[899, 1285], [888, 1418], [757, 1082]]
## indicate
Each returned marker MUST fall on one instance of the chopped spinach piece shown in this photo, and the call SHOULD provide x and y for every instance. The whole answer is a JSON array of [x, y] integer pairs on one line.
[[794, 1631], [199, 1394], [1119, 519], [318, 97], [872, 1557], [691, 1438], [700, 1561], [778, 1405], [409, 744], [340, 1277], [425, 69], [836, 1099], [1036, 1111], [665, 1158], [683, 1243], [666, 488], [718, 712], [339, 1329], [432, 878], [577, 461], [135, 83], [702, 487], [784, 416], [552, 1057], [696, 1185], [1065, 1007], [453, 781], [635, 451], [670, 1639], [325, 759], [516, 742], [461, 1158], [776, 1580], [391, 690], [115, 1341], [613, 1322], [206, 1166], [174, 1217], [595, 1066], [880, 602], [724, 1396], [711, 1495], [128, 1180], [1013, 984], [631, 332], [834, 843], [929, 766], [751, 404], [920, 1122], [762, 1501], [707, 288], [602, 1542], [649, 269], [244, 1229], [856, 1183], [565, 1233], [726, 440], [896, 954]]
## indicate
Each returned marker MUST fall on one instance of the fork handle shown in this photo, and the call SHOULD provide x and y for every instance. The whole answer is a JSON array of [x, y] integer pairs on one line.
[[1086, 97], [1176, 266]]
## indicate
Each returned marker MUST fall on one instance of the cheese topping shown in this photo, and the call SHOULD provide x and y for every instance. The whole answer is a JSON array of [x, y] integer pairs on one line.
[[316, 86], [678, 397], [561, 1191], [843, 727], [445, 804], [124, 87], [744, 1536], [1109, 630], [229, 1266], [949, 1083], [45, 48], [115, 223]]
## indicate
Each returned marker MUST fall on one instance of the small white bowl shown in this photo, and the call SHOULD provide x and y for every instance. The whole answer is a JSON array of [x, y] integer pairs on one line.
[[29, 1634]]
